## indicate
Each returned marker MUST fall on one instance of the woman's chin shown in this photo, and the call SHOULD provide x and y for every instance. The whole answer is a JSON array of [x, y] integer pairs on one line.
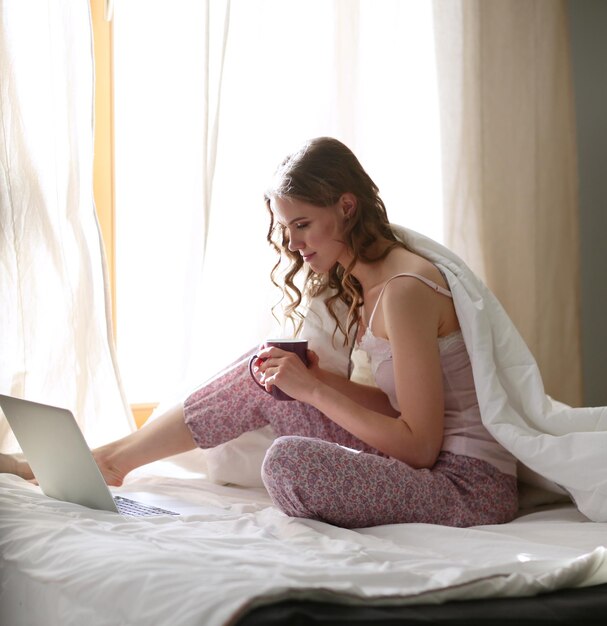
[[316, 267]]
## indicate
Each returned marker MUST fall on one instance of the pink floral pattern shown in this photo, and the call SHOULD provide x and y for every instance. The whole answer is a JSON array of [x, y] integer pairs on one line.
[[316, 469], [325, 481], [232, 404]]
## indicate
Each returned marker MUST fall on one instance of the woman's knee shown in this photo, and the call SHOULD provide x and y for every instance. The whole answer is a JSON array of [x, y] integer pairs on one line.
[[279, 463], [283, 473]]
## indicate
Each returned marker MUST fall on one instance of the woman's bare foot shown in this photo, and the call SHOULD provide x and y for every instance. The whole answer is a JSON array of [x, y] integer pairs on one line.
[[107, 459], [165, 436], [11, 465]]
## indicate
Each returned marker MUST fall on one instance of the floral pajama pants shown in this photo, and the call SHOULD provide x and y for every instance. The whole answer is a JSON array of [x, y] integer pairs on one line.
[[316, 469]]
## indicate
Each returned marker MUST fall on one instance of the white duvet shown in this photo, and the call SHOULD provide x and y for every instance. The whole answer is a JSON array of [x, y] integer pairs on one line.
[[63, 565]]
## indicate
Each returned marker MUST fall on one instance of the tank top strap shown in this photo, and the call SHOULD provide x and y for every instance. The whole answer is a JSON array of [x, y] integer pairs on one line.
[[427, 281]]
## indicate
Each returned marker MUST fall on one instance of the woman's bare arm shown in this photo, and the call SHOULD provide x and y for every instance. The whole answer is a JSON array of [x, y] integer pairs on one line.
[[365, 395], [411, 318]]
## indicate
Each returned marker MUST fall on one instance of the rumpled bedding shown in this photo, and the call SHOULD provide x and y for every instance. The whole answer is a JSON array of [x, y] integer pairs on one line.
[[62, 564]]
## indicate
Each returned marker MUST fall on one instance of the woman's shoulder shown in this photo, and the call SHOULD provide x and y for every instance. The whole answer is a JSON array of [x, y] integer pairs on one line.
[[407, 287], [417, 298], [411, 265]]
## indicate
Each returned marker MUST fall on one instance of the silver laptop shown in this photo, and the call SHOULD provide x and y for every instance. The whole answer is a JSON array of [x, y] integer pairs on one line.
[[61, 460]]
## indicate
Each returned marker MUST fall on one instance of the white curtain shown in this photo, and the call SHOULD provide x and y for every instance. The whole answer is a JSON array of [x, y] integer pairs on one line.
[[510, 171], [217, 24], [55, 339], [281, 72]]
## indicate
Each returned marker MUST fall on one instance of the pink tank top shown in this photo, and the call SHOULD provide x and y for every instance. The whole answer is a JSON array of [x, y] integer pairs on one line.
[[464, 431]]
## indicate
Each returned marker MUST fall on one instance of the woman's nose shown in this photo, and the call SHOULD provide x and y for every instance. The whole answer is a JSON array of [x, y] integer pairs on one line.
[[294, 243]]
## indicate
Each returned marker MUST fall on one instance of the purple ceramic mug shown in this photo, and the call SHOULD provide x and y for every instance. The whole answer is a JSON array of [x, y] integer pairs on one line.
[[298, 346]]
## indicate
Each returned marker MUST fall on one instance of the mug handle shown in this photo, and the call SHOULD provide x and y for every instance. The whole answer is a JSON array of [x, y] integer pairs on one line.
[[253, 375]]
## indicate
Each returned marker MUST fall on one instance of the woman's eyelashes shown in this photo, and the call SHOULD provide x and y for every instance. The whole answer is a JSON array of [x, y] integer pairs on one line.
[[302, 225]]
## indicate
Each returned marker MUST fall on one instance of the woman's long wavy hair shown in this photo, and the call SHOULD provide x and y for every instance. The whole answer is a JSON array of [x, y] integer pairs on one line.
[[319, 173]]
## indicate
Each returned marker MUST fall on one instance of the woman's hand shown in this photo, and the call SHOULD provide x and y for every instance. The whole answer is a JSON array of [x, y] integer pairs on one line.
[[288, 372]]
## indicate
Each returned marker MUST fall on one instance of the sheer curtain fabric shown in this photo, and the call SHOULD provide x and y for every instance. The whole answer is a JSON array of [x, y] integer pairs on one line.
[[55, 337]]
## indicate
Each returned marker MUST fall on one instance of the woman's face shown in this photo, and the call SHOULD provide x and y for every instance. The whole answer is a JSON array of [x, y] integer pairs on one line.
[[315, 232]]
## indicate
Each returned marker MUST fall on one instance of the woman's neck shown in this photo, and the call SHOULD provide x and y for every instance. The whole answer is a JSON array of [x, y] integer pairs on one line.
[[375, 273]]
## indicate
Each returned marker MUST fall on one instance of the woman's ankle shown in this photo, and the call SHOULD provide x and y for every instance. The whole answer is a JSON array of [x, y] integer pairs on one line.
[[114, 461]]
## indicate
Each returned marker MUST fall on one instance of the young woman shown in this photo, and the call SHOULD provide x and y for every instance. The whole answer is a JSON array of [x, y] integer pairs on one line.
[[412, 448]]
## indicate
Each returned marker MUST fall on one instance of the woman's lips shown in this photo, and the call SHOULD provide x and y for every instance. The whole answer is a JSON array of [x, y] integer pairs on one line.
[[307, 257]]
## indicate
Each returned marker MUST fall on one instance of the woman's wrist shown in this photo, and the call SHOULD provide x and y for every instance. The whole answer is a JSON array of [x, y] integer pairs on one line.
[[320, 374], [314, 392]]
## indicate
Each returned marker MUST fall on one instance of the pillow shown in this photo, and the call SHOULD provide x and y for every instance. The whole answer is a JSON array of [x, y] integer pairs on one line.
[[238, 462]]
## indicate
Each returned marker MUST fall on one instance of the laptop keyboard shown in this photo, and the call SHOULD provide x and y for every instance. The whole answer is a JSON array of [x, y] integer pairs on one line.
[[133, 508]]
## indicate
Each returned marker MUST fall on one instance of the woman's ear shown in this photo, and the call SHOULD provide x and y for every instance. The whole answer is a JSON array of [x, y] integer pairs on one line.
[[348, 203]]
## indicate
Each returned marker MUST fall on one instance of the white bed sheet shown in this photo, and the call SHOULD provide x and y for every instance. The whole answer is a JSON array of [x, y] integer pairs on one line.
[[62, 564]]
